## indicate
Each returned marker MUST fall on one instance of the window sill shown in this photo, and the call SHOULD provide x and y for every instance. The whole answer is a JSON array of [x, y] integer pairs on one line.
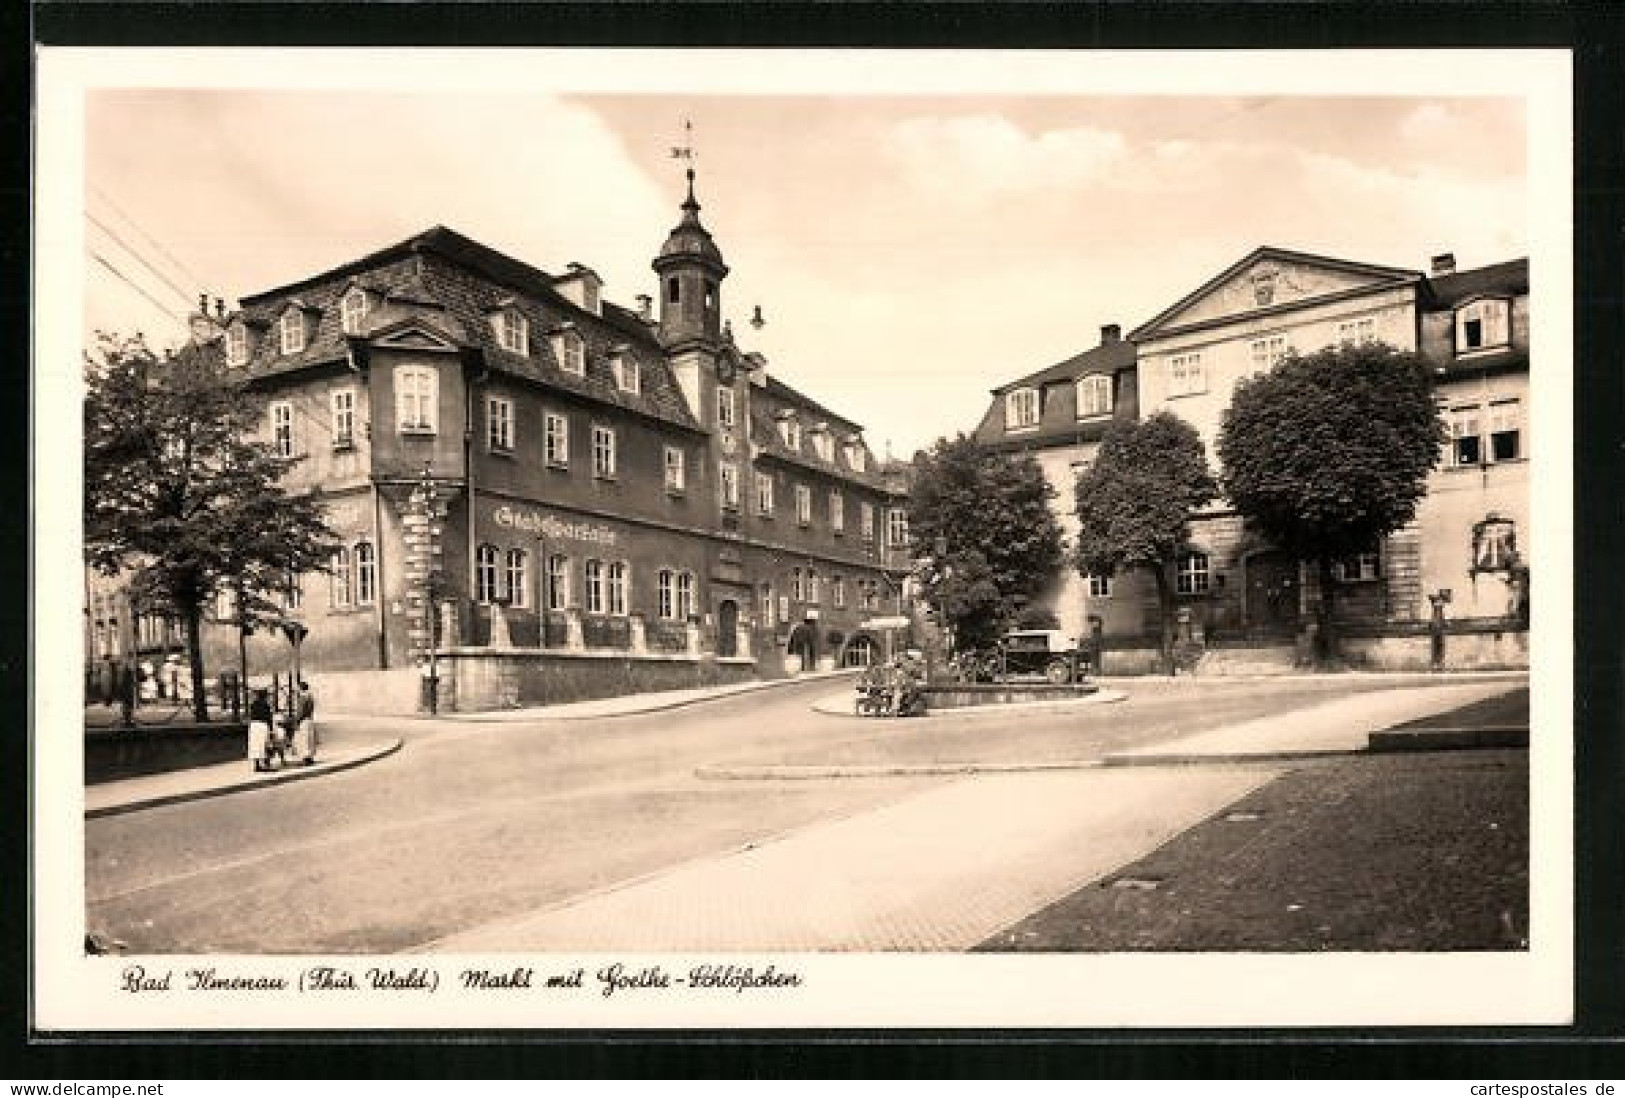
[[418, 431], [1021, 429], [675, 493], [1487, 349], [342, 444], [559, 466], [501, 452], [1093, 417]]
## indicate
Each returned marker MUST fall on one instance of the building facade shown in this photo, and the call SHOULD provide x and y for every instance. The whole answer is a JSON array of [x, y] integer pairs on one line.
[[1460, 569], [544, 495]]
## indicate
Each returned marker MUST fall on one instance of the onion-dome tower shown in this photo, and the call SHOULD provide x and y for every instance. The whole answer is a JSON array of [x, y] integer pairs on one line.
[[691, 271]]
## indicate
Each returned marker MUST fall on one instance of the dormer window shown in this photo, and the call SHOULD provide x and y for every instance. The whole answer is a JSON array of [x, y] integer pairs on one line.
[[513, 331], [353, 309], [292, 331], [790, 431], [237, 344], [1481, 325], [571, 351], [855, 456], [628, 376], [1021, 409], [1094, 396], [823, 444]]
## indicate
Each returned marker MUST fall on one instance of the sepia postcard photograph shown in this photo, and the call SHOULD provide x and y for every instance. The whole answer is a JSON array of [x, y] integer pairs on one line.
[[703, 539]]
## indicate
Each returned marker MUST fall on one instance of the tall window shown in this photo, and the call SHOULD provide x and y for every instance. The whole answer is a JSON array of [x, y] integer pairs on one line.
[[499, 424], [603, 453], [282, 428], [1268, 351], [293, 595], [485, 573], [1506, 426], [823, 444], [676, 470], [518, 578], [797, 590], [896, 528], [556, 439], [856, 457], [727, 412], [1021, 409], [292, 331], [767, 604], [866, 521], [730, 485], [837, 512], [237, 344], [1364, 565], [1466, 446], [1481, 324], [814, 586], [1094, 396], [837, 592], [1186, 375], [353, 309], [666, 594], [790, 431], [803, 504], [416, 397], [343, 401], [628, 376], [764, 493], [513, 331], [366, 574], [1100, 587], [685, 595], [558, 582], [617, 587], [1468, 424], [593, 584], [571, 352], [341, 577], [1193, 574], [1355, 332]]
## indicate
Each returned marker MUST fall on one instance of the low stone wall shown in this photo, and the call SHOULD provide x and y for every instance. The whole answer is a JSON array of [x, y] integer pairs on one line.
[[390, 693], [1467, 647], [477, 680], [111, 754]]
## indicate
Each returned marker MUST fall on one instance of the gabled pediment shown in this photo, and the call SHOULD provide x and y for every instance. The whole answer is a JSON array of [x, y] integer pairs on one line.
[[414, 334], [1271, 279]]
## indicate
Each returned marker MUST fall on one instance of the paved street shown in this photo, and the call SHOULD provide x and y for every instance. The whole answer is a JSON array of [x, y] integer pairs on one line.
[[479, 829]]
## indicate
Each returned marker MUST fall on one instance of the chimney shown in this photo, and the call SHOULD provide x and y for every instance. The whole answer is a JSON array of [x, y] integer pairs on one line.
[[1444, 263], [204, 328], [1110, 333], [645, 308]]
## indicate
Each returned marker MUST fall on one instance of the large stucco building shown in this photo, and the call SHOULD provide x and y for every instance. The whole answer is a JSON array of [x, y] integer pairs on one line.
[[1469, 538], [603, 499]]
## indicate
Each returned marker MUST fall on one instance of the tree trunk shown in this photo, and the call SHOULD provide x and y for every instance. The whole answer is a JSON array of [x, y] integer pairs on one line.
[[1326, 643], [194, 644], [1165, 613]]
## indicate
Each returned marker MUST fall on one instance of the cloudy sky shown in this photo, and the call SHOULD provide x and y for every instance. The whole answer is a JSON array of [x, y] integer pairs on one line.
[[909, 252]]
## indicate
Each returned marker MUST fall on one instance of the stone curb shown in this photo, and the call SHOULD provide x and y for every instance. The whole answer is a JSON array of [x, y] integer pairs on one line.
[[881, 770], [540, 712], [279, 777], [1239, 758], [841, 705]]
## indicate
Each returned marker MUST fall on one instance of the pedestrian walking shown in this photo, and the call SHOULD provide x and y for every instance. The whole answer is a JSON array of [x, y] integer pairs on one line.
[[304, 736], [262, 738]]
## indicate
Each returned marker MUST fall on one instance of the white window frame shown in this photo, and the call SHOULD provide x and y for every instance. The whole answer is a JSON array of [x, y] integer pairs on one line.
[[343, 593], [417, 399], [798, 588], [499, 424], [628, 375], [837, 512], [353, 310], [1187, 375], [803, 505], [516, 565], [571, 351], [790, 432], [666, 594], [1269, 350], [866, 520], [728, 478], [342, 402], [1505, 416], [558, 581], [592, 586], [1465, 423], [727, 408], [1357, 332], [486, 579], [1494, 317], [282, 442], [366, 573], [556, 440], [896, 528], [237, 344], [617, 582], [815, 587], [1021, 409], [1361, 567], [603, 452], [837, 592], [823, 445], [685, 595], [1094, 392], [764, 494], [676, 470], [1100, 586], [513, 331], [291, 331], [1194, 575], [856, 458]]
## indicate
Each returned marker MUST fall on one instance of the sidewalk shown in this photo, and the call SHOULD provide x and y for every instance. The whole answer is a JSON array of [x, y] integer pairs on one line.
[[196, 783], [949, 868]]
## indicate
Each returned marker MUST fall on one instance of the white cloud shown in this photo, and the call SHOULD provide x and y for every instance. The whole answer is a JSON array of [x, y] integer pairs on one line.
[[984, 156]]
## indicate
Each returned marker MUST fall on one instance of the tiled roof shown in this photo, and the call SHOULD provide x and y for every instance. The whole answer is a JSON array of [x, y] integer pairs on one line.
[[1511, 277], [1058, 423], [767, 402], [456, 283], [1107, 358]]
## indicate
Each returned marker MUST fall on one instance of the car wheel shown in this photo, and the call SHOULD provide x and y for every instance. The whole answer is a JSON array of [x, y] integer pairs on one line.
[[1058, 672]]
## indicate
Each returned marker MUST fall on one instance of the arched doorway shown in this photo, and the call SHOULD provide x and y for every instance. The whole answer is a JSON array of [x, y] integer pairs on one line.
[[1272, 593], [728, 628], [803, 644]]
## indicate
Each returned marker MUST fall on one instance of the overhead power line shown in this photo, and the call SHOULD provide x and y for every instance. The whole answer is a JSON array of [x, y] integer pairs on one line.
[[137, 287], [137, 256], [148, 237]]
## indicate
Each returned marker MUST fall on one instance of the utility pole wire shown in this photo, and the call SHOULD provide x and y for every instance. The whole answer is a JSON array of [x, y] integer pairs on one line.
[[165, 252], [137, 256], [122, 277]]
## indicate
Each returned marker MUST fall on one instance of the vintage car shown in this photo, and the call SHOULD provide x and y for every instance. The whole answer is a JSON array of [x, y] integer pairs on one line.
[[1047, 652]]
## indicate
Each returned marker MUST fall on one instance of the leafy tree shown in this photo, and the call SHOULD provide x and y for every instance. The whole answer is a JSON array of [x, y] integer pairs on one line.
[[1330, 452], [179, 496], [989, 514], [1134, 505]]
